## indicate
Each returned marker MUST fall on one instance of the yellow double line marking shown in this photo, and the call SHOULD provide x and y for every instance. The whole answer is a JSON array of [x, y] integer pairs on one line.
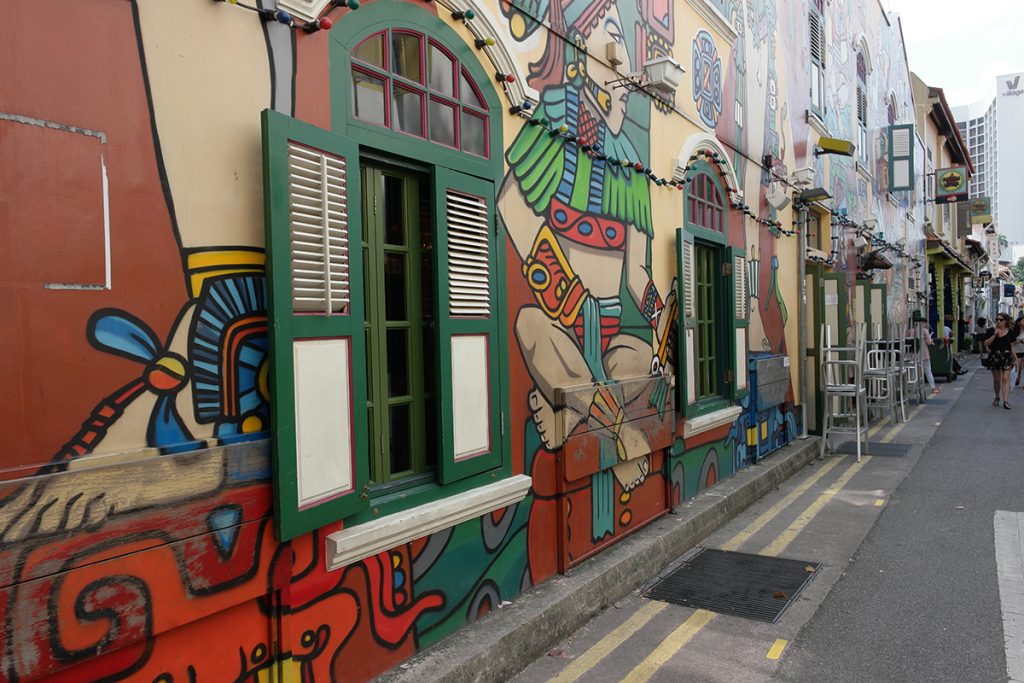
[[700, 618]]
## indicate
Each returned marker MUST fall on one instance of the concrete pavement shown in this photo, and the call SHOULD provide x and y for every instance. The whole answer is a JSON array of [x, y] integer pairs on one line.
[[824, 514]]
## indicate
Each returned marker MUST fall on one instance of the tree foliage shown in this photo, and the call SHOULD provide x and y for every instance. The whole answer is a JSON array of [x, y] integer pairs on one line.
[[1018, 270]]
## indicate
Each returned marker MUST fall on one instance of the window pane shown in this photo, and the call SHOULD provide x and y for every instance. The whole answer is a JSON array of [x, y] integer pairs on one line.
[[368, 97], [407, 111], [468, 93], [371, 51], [394, 287], [405, 55], [394, 214], [430, 445], [442, 71], [370, 398], [815, 92], [426, 263], [399, 429], [473, 133], [398, 363], [442, 123]]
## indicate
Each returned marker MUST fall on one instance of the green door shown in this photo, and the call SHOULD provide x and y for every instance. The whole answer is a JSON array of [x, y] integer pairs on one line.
[[827, 299]]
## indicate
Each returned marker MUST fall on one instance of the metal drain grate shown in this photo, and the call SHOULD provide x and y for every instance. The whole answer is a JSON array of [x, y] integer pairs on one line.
[[885, 450], [738, 584]]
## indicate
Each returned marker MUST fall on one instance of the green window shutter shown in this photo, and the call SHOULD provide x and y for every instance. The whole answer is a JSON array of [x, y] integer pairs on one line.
[[738, 305], [686, 346], [816, 37], [901, 157], [317, 345], [468, 371]]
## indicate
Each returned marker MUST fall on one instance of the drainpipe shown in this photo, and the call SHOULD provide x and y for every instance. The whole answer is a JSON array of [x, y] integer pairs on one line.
[[801, 259]]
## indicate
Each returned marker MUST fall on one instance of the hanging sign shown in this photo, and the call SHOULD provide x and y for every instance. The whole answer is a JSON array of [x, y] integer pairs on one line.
[[981, 210], [951, 184]]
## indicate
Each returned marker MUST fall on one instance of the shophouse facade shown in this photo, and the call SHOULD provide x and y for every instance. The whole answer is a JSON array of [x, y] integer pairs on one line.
[[336, 327], [948, 226]]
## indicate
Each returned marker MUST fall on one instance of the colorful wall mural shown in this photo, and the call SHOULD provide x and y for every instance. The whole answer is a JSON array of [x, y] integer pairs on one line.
[[135, 488]]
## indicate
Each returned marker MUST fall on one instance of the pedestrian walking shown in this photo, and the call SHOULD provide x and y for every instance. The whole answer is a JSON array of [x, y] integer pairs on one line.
[[1018, 349], [926, 357], [1001, 360]]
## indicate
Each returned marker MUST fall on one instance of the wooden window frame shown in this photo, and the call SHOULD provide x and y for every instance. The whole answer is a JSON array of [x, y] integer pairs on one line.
[[465, 464], [730, 303], [453, 100], [377, 326], [816, 17]]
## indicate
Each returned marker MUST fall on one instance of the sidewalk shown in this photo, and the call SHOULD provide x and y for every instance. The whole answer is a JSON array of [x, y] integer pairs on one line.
[[499, 646]]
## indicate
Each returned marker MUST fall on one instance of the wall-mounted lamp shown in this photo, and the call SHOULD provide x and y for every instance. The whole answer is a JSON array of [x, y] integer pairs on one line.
[[875, 260], [803, 177], [813, 194], [663, 75], [777, 197], [834, 146]]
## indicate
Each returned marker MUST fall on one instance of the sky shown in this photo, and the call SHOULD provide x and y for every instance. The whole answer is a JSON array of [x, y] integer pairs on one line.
[[960, 47]]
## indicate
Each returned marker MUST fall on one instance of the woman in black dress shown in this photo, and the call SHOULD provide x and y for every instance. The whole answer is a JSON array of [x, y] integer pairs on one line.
[[1000, 359]]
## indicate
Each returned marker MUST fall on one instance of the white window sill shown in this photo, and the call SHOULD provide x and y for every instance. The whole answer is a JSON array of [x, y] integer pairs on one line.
[[815, 122], [351, 545], [892, 199], [862, 169], [713, 17], [704, 423]]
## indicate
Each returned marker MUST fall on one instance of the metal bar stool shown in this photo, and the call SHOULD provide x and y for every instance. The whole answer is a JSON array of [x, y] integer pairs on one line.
[[844, 393]]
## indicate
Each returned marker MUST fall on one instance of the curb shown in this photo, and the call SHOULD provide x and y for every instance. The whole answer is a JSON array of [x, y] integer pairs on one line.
[[502, 644]]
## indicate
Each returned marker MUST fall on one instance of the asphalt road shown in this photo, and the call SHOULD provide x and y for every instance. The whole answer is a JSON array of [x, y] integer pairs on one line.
[[919, 601]]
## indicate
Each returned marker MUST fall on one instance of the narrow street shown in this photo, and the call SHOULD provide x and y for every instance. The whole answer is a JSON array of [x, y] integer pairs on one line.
[[908, 587]]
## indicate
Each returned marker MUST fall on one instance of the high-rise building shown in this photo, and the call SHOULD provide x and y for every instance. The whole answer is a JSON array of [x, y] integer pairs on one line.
[[992, 134], [978, 129]]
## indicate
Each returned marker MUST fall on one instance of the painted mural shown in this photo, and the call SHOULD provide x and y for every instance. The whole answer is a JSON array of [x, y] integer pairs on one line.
[[135, 495]]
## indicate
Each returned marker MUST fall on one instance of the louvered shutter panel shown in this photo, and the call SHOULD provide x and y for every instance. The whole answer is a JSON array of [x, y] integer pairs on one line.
[[318, 216], [739, 304], [901, 157], [317, 345], [816, 31], [963, 220], [862, 107], [469, 283], [685, 348], [469, 376]]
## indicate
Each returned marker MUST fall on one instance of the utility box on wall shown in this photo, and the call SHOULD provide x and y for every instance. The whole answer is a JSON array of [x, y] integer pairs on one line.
[[765, 414]]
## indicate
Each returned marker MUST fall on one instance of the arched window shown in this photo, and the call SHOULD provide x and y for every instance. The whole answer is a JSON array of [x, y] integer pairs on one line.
[[409, 82], [862, 108], [713, 277], [704, 205], [384, 265], [892, 111]]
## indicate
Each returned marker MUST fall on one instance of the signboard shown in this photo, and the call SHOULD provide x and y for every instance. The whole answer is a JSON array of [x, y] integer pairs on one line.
[[981, 210], [950, 184]]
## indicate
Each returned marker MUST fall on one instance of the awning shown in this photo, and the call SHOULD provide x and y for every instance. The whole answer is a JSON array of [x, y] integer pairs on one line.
[[976, 247], [937, 247]]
